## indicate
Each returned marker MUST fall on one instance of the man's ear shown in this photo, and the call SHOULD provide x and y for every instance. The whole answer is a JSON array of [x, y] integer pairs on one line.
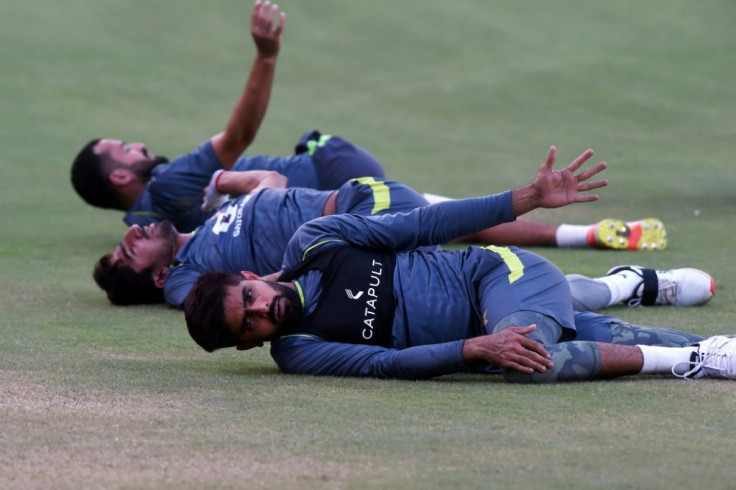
[[273, 277], [159, 276], [120, 177], [250, 275], [249, 345]]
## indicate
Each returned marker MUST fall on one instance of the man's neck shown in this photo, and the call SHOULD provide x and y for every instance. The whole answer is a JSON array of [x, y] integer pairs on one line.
[[181, 240], [130, 194]]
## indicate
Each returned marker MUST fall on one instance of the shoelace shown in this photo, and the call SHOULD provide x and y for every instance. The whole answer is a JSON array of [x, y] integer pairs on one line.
[[698, 365], [667, 293], [711, 361]]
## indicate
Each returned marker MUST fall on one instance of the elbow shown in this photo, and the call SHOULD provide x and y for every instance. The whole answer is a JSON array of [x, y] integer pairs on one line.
[[276, 179]]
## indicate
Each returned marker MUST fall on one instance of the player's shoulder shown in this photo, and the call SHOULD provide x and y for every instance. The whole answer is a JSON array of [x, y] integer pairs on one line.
[[202, 159]]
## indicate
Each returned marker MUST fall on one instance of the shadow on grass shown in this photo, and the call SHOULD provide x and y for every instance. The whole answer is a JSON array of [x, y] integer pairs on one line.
[[191, 372], [159, 367]]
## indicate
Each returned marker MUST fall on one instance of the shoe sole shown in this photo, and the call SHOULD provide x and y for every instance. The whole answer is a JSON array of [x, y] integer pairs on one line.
[[646, 234]]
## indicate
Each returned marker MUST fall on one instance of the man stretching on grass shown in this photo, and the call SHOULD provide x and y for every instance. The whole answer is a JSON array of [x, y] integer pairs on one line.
[[251, 232], [112, 174], [355, 298], [156, 263]]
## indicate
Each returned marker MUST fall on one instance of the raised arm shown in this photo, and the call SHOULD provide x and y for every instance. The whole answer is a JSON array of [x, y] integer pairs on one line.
[[429, 225], [266, 26], [445, 221]]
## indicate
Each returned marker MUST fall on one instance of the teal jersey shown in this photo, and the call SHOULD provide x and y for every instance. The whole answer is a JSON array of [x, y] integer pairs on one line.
[[251, 232], [246, 234], [175, 189], [440, 298]]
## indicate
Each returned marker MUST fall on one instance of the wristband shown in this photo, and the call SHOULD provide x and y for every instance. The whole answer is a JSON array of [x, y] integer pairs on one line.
[[217, 180]]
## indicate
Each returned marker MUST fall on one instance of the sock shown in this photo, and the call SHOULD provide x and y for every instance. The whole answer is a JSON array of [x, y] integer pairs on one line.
[[622, 285], [662, 359], [568, 236]]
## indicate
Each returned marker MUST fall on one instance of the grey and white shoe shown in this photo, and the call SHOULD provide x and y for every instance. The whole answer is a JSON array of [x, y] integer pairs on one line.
[[676, 287], [715, 358]]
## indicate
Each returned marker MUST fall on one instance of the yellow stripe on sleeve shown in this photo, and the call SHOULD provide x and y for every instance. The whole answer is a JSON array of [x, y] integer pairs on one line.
[[319, 244], [299, 290], [381, 193], [512, 261]]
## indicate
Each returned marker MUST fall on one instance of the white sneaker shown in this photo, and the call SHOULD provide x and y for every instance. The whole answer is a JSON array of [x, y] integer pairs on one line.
[[676, 287], [715, 358]]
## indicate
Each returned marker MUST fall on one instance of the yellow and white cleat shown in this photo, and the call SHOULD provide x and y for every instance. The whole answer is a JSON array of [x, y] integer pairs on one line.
[[645, 234]]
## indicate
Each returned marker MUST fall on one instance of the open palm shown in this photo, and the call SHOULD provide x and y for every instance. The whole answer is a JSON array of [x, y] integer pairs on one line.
[[556, 188]]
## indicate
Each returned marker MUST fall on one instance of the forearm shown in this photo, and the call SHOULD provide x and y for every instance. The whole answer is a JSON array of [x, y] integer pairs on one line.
[[522, 233], [446, 221], [251, 108], [239, 183], [311, 355], [249, 112]]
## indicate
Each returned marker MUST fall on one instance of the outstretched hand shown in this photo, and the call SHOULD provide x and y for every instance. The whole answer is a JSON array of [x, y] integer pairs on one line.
[[265, 28], [555, 188]]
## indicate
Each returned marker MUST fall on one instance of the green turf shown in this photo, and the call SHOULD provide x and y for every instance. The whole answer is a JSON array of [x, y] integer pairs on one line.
[[455, 97]]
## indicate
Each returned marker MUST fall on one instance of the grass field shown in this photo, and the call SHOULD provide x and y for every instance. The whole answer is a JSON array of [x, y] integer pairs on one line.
[[459, 98]]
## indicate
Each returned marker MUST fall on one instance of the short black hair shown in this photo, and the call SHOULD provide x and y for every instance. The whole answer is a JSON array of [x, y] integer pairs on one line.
[[124, 286], [204, 310], [90, 178]]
